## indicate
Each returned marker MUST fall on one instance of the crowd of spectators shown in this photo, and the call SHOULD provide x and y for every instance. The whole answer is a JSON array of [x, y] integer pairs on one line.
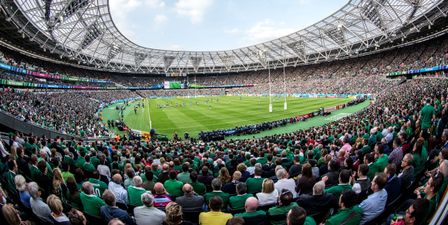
[[355, 75], [386, 163], [69, 112], [390, 159]]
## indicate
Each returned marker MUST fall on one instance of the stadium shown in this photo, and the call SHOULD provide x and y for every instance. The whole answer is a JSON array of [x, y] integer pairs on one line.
[[344, 121]]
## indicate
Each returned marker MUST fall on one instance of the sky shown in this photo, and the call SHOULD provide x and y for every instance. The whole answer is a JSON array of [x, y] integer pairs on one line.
[[214, 25]]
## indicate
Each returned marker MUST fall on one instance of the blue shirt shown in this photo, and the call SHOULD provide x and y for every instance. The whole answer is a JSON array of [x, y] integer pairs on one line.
[[25, 198], [373, 206]]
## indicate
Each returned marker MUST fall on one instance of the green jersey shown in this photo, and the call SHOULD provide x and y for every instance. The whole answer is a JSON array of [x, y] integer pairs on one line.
[[98, 186], [174, 187], [426, 114], [91, 204], [237, 202], [135, 194]]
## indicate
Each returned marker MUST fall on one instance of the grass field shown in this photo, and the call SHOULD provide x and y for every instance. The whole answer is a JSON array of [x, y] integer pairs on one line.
[[193, 115]]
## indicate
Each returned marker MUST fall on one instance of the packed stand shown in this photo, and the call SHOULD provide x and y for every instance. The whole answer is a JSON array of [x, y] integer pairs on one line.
[[385, 163], [68, 112]]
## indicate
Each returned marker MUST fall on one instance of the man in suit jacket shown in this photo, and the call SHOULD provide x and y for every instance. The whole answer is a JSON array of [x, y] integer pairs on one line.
[[393, 185], [319, 201], [407, 174], [190, 201]]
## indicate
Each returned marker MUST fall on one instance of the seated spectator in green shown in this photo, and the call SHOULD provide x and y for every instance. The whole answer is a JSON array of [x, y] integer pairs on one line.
[[73, 195], [90, 202], [216, 186], [254, 184], [297, 216], [349, 213], [215, 216], [251, 215], [66, 171], [9, 176], [34, 170], [198, 187], [368, 160], [415, 214], [173, 186], [184, 176], [98, 185], [286, 203], [430, 190], [135, 192], [237, 202], [420, 156], [442, 171], [344, 184], [381, 159], [88, 167], [81, 160]]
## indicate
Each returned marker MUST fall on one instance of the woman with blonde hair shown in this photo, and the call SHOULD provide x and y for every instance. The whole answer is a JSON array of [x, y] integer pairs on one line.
[[224, 176], [268, 194], [12, 216], [59, 187], [56, 215], [174, 215]]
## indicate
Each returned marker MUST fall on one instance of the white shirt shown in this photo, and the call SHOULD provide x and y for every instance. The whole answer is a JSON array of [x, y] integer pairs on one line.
[[267, 198], [104, 170], [251, 170], [288, 184], [120, 193], [148, 216]]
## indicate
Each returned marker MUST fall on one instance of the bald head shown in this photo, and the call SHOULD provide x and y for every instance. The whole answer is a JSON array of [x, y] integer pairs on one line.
[[318, 188], [443, 168], [87, 188], [159, 188], [251, 204], [187, 189], [117, 178]]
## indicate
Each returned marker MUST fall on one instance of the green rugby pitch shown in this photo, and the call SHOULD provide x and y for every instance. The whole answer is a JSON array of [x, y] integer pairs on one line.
[[192, 115]]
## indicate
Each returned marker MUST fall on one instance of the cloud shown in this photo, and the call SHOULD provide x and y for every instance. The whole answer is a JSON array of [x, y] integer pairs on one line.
[[195, 9], [155, 4], [266, 30], [124, 10], [160, 19], [304, 2], [120, 10], [232, 31]]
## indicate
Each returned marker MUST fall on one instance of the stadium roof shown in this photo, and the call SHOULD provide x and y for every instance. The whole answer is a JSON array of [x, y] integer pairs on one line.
[[83, 30]]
